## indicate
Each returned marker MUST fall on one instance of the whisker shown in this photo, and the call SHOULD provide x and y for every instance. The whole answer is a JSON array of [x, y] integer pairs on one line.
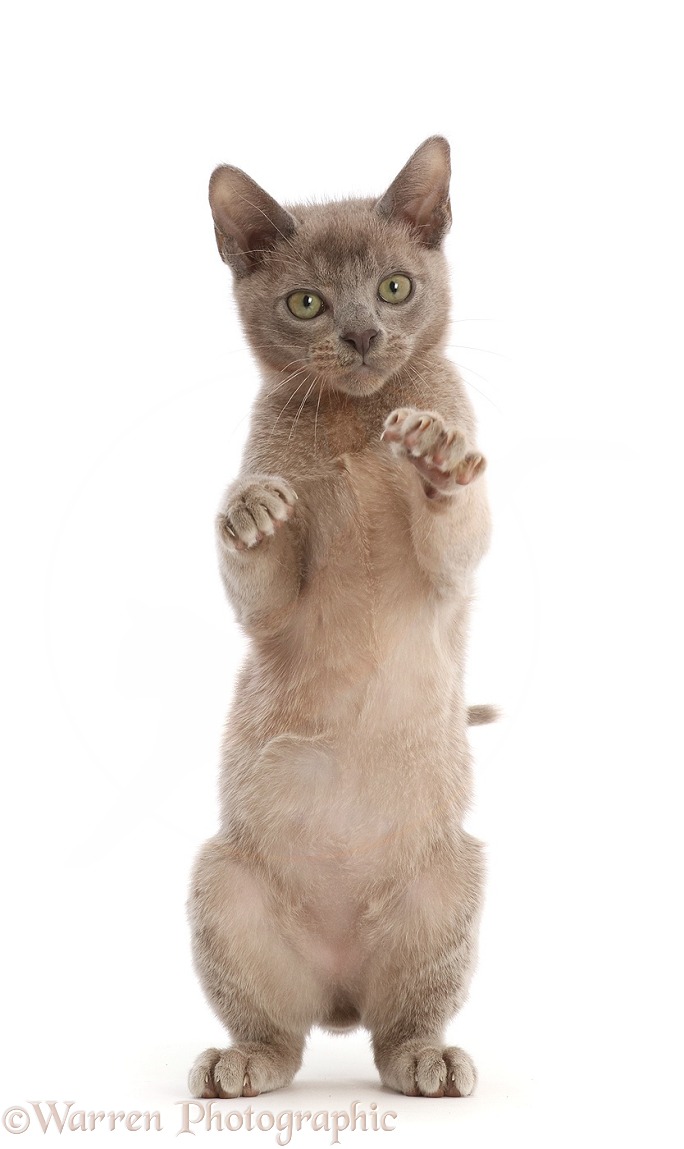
[[468, 383], [289, 400], [416, 376], [275, 390], [290, 364], [302, 260], [461, 367], [301, 408], [484, 350], [320, 392], [265, 251], [248, 348]]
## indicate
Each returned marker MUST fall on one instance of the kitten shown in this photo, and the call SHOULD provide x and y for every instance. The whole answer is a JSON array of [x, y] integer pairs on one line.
[[341, 889]]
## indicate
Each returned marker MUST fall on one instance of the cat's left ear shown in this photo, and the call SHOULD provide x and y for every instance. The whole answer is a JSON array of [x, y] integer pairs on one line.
[[248, 222], [420, 194]]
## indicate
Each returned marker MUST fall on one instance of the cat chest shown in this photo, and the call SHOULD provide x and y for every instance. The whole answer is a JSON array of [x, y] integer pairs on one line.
[[359, 553], [368, 636]]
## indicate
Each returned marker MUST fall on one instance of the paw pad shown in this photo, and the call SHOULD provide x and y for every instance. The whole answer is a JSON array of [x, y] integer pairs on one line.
[[438, 451]]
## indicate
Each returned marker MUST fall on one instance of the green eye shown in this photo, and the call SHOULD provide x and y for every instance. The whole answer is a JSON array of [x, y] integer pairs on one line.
[[395, 289], [305, 304]]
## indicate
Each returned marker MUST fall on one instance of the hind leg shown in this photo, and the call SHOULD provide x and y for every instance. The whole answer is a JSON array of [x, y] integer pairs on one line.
[[420, 978], [256, 983]]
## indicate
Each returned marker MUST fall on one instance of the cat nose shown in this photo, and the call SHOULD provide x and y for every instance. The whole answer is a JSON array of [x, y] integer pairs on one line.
[[361, 340]]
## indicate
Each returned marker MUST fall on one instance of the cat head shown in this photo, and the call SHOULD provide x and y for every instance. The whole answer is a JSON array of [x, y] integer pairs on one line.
[[346, 293]]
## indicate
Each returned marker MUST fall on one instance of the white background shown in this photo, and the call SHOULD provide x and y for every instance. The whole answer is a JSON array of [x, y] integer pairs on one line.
[[126, 386]]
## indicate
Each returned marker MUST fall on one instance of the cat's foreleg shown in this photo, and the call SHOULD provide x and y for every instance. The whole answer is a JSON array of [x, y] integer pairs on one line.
[[447, 500], [437, 450], [258, 543]]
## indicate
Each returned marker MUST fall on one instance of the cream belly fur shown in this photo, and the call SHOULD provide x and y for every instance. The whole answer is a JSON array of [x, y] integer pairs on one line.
[[382, 695], [341, 888]]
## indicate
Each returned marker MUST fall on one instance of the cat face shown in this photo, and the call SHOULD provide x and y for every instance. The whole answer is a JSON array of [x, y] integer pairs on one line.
[[343, 294]]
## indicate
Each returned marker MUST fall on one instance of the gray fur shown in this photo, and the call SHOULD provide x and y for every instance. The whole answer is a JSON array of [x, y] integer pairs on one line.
[[341, 888]]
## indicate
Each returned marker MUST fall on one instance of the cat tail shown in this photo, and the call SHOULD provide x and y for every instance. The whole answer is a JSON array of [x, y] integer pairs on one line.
[[481, 715]]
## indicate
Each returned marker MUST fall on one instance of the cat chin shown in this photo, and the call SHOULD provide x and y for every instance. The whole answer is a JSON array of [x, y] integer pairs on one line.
[[362, 381]]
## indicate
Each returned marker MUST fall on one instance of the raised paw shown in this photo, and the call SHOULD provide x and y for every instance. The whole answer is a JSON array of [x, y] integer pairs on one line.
[[243, 1070], [428, 1071], [254, 510], [437, 451]]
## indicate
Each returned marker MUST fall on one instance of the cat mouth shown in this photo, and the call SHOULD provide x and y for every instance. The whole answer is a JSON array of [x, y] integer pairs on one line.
[[359, 378], [362, 368]]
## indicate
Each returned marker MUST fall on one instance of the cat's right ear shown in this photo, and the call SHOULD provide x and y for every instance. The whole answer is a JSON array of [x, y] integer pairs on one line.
[[247, 221], [419, 196]]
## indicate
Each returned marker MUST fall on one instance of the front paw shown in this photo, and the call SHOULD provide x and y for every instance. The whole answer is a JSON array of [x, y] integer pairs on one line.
[[254, 510], [437, 451]]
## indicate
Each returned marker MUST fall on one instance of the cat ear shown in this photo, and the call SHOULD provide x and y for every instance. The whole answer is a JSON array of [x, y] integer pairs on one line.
[[247, 220], [420, 194]]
